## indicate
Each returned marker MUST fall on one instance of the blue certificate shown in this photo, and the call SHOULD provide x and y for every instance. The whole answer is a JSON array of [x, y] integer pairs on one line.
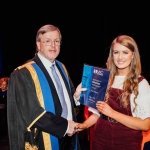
[[95, 79]]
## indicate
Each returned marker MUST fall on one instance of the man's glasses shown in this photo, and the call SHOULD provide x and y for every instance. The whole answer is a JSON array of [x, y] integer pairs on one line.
[[48, 42]]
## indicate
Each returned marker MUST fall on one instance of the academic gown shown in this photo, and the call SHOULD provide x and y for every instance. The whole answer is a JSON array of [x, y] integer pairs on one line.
[[34, 109]]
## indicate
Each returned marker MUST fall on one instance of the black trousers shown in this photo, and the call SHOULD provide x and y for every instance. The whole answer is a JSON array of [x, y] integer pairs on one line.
[[66, 143], [147, 146]]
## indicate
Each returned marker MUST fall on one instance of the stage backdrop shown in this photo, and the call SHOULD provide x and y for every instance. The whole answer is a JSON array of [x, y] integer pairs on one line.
[[0, 55]]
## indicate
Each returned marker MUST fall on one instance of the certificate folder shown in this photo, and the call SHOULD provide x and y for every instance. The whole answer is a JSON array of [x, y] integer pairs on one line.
[[95, 80]]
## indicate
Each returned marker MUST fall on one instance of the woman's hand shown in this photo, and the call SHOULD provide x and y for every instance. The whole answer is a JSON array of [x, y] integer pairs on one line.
[[104, 108], [81, 127]]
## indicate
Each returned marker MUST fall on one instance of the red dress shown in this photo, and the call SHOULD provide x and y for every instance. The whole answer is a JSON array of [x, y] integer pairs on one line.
[[115, 136]]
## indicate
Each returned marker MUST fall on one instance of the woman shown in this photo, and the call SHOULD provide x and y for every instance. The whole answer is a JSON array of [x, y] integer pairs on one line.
[[121, 118], [3, 105]]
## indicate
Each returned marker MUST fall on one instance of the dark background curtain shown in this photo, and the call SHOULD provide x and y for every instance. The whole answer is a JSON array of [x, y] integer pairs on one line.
[[87, 28], [1, 61]]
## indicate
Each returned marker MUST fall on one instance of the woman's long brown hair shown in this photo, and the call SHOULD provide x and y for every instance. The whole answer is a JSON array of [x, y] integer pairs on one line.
[[130, 84]]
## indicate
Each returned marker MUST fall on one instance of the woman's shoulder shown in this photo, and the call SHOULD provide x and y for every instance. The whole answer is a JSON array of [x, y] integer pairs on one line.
[[141, 78], [144, 85]]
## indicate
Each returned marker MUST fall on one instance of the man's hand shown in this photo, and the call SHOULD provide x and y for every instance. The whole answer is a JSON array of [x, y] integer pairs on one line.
[[78, 91], [72, 127]]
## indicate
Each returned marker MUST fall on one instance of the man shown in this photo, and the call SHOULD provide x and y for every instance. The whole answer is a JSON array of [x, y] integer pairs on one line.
[[38, 118]]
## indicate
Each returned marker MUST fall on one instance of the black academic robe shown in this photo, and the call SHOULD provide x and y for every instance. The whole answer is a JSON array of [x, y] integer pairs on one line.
[[24, 108]]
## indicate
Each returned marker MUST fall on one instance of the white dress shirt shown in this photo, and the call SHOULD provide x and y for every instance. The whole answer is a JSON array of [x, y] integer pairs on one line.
[[47, 64]]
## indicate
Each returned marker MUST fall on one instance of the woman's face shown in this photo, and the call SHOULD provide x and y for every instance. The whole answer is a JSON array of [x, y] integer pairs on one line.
[[4, 86], [122, 57]]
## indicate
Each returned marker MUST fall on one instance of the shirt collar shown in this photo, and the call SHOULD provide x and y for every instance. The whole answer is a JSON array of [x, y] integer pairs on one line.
[[45, 61]]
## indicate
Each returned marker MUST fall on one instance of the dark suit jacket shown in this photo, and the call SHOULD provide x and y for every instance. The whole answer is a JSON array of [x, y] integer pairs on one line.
[[48, 117], [58, 107], [147, 146]]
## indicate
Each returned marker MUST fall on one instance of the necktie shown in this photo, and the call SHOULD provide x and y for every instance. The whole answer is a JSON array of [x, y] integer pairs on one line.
[[60, 92]]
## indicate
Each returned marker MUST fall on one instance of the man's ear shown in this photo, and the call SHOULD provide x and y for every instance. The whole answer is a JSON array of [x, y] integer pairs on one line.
[[38, 46]]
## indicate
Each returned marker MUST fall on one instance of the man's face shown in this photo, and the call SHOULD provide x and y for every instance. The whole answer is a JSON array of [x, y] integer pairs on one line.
[[49, 46]]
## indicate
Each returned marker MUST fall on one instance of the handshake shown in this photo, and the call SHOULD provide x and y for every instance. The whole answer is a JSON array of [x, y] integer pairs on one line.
[[75, 127]]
